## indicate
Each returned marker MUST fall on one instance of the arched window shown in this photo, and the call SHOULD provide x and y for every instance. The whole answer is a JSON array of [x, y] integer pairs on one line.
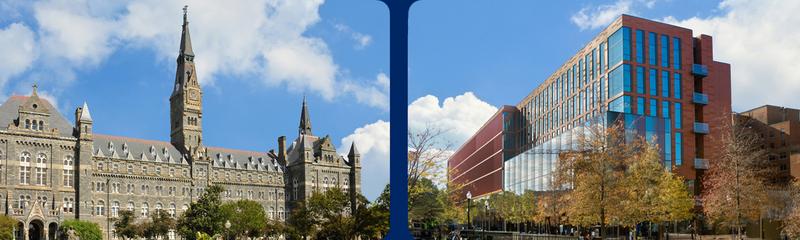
[[35, 125], [24, 200], [145, 209], [159, 206], [281, 213], [27, 124], [172, 209], [130, 169], [271, 213], [41, 169], [114, 209], [131, 206], [325, 182], [41, 125], [69, 171], [100, 208], [25, 168]]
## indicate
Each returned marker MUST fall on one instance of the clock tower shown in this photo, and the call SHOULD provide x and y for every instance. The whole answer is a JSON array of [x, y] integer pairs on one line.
[[186, 101]]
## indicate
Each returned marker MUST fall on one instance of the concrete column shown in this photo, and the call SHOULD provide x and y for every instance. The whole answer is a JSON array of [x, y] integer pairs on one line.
[[25, 232]]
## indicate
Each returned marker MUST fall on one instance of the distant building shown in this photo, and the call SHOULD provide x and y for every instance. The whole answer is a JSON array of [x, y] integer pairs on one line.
[[779, 128], [51, 170], [658, 78]]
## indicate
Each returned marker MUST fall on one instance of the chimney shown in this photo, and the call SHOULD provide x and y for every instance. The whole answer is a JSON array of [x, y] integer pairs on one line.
[[282, 149]]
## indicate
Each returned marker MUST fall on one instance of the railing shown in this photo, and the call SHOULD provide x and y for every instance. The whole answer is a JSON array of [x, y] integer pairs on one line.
[[701, 128], [700, 163], [700, 98], [700, 70]]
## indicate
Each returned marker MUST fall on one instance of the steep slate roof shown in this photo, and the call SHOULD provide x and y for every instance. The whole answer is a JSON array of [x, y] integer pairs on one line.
[[9, 113], [161, 151]]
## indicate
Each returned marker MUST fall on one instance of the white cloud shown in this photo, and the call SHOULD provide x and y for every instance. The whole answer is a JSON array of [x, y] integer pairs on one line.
[[374, 94], [362, 40], [265, 39], [759, 40], [18, 47], [600, 16], [460, 116], [372, 141]]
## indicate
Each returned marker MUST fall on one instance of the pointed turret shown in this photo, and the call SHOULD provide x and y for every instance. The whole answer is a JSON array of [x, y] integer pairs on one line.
[[353, 150], [85, 115], [354, 158], [305, 120]]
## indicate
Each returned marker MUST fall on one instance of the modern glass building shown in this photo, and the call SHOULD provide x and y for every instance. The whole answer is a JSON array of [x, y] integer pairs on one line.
[[658, 78]]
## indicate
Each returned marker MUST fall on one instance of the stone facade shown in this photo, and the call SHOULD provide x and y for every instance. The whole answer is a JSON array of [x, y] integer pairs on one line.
[[52, 170]]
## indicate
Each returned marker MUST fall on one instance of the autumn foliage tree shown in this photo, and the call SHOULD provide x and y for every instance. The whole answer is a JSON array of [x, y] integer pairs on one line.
[[735, 184], [616, 176], [427, 151], [596, 174], [791, 221]]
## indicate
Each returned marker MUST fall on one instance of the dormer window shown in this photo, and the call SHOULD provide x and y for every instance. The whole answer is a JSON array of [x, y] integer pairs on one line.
[[125, 148]]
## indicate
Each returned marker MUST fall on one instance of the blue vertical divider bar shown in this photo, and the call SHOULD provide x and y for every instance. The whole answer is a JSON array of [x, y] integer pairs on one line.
[[398, 91]]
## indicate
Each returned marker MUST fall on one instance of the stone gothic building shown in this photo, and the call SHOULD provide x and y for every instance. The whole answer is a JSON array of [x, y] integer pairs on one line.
[[52, 170]]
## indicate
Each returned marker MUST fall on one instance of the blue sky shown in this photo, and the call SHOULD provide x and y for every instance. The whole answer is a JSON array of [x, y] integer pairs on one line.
[[255, 59], [469, 57]]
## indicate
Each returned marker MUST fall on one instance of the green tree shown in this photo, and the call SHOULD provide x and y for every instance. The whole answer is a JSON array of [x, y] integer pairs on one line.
[[529, 208], [328, 208], [83, 229], [371, 221], [301, 223], [125, 225], [204, 215], [158, 225], [274, 228], [247, 218], [7, 225], [428, 205]]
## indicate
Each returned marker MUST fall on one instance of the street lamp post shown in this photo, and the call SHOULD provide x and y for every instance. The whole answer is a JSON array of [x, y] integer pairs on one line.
[[469, 203], [486, 205]]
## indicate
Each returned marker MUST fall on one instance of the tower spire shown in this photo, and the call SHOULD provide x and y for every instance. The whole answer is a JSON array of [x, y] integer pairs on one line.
[[186, 40], [305, 119], [186, 102]]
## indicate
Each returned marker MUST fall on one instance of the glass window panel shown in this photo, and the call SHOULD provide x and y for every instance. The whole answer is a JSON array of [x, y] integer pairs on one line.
[[665, 109], [653, 107], [619, 80], [653, 80], [602, 50], [676, 89], [619, 47], [677, 113], [621, 104], [653, 45], [664, 83], [640, 106], [639, 46], [640, 80]]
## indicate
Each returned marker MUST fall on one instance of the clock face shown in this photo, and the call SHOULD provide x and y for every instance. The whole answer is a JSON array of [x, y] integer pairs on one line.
[[194, 95]]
